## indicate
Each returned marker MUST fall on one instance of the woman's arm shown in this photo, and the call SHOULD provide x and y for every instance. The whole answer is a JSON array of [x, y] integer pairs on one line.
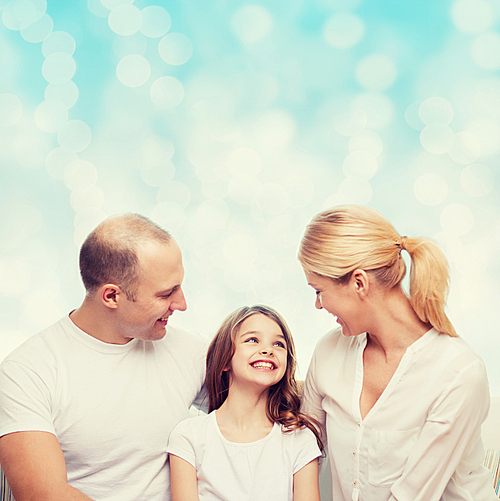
[[306, 483], [183, 480]]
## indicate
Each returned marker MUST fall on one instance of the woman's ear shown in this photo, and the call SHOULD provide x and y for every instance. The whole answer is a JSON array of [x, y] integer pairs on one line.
[[361, 282]]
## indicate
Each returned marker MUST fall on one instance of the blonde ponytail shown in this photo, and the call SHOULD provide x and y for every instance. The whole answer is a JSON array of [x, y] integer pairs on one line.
[[340, 240]]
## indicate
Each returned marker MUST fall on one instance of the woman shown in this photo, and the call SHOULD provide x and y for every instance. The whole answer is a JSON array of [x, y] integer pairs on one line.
[[401, 396]]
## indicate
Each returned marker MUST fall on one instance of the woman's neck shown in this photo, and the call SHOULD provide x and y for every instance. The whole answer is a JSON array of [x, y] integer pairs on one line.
[[242, 417]]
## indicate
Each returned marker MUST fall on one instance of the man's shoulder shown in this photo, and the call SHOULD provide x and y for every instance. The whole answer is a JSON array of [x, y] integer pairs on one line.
[[43, 341], [187, 339]]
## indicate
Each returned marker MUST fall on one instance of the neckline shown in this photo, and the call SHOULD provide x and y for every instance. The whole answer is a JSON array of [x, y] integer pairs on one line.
[[241, 444]]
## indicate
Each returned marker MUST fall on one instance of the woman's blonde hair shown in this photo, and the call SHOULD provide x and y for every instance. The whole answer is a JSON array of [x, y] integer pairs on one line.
[[349, 237]]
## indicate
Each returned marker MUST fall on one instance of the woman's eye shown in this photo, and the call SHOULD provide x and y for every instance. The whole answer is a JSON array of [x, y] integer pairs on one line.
[[318, 293]]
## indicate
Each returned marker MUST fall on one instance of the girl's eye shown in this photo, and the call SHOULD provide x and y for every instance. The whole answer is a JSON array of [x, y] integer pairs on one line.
[[280, 344], [252, 340]]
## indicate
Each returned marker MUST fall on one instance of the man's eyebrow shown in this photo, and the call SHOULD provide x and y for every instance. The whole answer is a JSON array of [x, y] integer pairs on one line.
[[167, 291]]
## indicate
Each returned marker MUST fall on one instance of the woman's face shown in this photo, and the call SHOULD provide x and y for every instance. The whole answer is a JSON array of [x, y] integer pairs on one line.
[[340, 300]]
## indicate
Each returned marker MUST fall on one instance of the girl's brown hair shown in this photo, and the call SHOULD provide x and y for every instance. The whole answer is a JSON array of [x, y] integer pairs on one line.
[[344, 238], [283, 400]]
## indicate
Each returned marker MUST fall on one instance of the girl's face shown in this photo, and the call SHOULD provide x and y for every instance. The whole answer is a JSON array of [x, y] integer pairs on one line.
[[260, 355]]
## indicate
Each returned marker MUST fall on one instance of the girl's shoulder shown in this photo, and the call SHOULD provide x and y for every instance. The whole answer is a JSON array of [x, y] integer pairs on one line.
[[193, 425], [303, 434]]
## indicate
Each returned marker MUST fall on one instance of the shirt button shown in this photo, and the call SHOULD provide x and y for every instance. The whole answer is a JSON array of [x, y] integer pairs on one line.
[[354, 453], [359, 424], [354, 483]]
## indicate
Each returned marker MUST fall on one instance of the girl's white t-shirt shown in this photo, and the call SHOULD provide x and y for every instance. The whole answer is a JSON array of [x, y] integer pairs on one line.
[[231, 471]]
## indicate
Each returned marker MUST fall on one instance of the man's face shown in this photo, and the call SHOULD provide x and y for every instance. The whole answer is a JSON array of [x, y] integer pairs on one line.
[[158, 293]]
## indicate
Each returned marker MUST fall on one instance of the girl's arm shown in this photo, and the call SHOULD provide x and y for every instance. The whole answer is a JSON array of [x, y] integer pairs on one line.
[[183, 480], [305, 483]]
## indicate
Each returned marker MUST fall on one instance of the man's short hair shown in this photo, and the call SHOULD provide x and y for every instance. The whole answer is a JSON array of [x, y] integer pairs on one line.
[[109, 253]]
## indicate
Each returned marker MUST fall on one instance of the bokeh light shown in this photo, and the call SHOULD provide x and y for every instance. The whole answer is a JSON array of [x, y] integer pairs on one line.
[[156, 21], [75, 135], [175, 49], [466, 148], [252, 23], [485, 51], [343, 30], [66, 93], [58, 68], [477, 180], [457, 219], [58, 41], [125, 20], [430, 189], [437, 138], [133, 70], [472, 16], [50, 116], [11, 109], [167, 92], [435, 110], [39, 30], [376, 73]]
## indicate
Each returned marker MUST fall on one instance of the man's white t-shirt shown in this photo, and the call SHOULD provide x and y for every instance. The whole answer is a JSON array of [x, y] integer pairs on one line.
[[111, 407], [232, 471]]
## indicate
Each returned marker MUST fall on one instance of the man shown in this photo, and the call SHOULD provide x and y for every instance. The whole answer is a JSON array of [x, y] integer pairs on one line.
[[87, 405]]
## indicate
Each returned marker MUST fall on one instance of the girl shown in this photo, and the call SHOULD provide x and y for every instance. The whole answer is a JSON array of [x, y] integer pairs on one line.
[[402, 396], [254, 443]]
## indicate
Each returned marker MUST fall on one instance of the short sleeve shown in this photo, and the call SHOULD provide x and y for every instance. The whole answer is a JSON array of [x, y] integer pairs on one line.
[[305, 447], [25, 403], [181, 442]]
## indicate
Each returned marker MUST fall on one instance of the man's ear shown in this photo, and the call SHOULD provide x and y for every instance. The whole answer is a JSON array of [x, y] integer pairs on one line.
[[110, 295], [361, 282]]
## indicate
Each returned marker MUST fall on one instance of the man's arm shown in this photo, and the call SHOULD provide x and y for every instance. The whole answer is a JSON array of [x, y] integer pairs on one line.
[[34, 465]]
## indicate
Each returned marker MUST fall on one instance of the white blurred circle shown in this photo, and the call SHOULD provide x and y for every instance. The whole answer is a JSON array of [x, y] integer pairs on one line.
[[252, 23], [169, 215], [133, 70], [349, 121], [368, 142], [343, 30], [300, 190], [27, 12], [213, 187], [472, 16], [485, 51], [167, 92], [39, 30], [474, 258], [273, 199], [133, 44], [274, 129], [377, 108], [174, 191], [80, 173], [75, 135], [111, 4], [58, 41], [50, 116], [155, 21], [154, 152], [359, 166], [437, 138], [97, 8], [9, 20], [16, 276], [175, 49], [412, 116], [477, 180], [376, 73], [487, 132], [213, 213], [243, 189], [11, 109], [87, 198], [125, 20], [457, 219], [57, 161], [58, 68], [159, 174], [66, 93], [244, 161], [436, 110], [430, 189], [240, 249], [466, 148], [355, 192]]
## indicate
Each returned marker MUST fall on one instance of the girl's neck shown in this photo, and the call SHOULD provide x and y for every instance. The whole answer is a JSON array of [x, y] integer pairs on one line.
[[242, 417]]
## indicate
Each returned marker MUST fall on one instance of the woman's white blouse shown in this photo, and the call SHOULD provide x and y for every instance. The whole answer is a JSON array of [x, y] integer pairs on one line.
[[421, 440]]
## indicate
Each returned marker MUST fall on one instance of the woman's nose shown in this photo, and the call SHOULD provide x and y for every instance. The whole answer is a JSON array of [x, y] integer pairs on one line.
[[318, 302]]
